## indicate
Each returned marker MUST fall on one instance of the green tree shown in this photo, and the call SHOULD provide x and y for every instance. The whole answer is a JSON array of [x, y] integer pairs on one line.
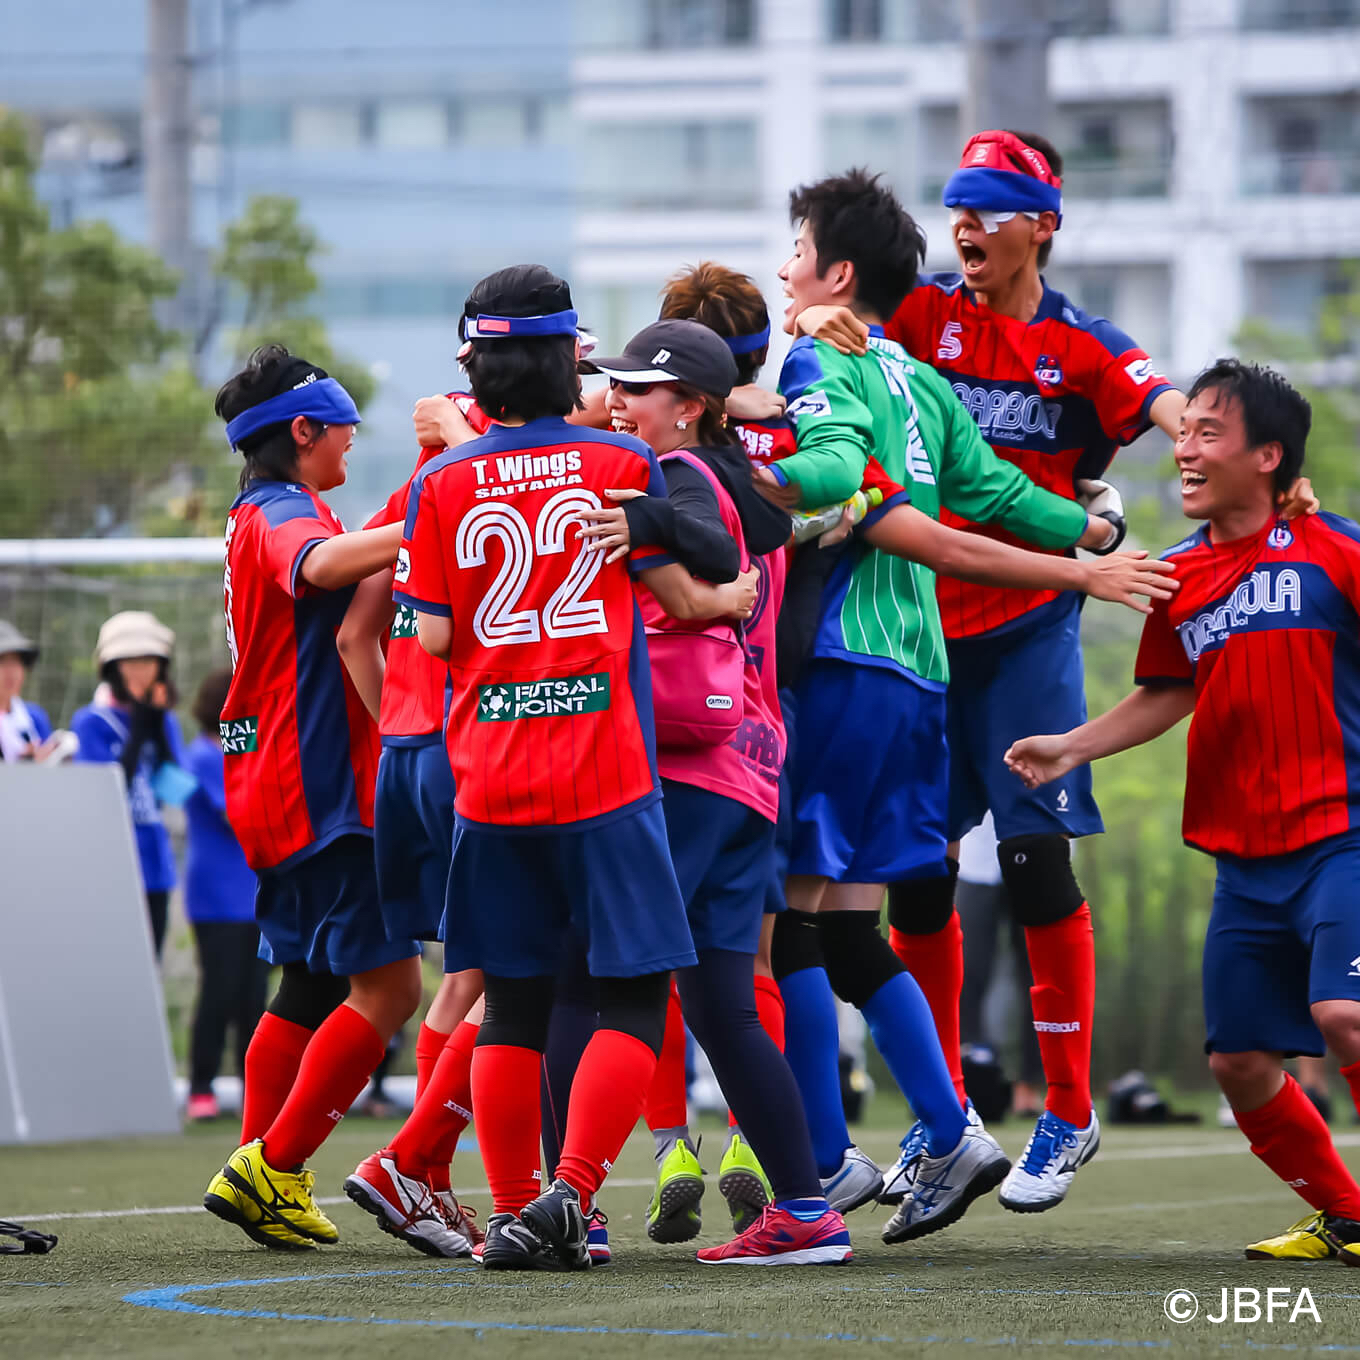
[[97, 407]]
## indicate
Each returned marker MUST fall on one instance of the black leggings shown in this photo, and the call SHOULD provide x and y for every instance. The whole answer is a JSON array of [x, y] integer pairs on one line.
[[230, 996], [158, 913]]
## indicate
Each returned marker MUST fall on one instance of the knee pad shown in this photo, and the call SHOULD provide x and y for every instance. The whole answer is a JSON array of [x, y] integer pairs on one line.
[[636, 1006], [306, 998], [797, 943], [923, 906], [517, 1012], [858, 959], [1037, 871]]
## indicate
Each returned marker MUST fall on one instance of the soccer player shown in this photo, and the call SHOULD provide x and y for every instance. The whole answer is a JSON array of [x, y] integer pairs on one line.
[[551, 742], [1055, 392], [869, 790], [406, 1185], [300, 754], [1260, 646], [721, 785]]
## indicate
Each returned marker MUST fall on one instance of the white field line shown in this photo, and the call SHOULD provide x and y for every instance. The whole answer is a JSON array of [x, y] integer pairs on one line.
[[1157, 1152]]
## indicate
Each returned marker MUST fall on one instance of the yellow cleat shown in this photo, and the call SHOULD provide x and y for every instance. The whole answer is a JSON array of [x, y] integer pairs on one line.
[[284, 1198], [227, 1202], [1314, 1238]]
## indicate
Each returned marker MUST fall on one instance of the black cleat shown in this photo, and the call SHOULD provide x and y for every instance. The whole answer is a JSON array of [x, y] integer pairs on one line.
[[556, 1219], [510, 1245]]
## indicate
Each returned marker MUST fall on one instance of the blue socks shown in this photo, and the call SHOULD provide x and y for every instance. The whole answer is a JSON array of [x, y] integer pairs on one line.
[[812, 1046], [903, 1029]]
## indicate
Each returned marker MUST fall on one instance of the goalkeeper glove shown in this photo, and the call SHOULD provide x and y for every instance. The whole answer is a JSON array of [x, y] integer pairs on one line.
[[1104, 502]]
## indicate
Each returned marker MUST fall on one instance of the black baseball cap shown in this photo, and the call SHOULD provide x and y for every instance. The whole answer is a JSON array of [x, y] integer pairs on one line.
[[675, 351]]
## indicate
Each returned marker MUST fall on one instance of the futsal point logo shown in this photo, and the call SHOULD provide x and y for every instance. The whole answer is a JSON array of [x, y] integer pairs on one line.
[[494, 701]]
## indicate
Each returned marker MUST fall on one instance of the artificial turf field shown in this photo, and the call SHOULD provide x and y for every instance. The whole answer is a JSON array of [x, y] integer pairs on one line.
[[138, 1272]]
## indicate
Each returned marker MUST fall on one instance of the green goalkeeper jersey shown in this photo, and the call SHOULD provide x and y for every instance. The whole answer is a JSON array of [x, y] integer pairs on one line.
[[878, 609]]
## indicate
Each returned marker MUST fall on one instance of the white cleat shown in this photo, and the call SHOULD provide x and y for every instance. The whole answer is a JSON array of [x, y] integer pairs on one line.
[[1041, 1178], [858, 1181], [405, 1207], [897, 1178], [942, 1188]]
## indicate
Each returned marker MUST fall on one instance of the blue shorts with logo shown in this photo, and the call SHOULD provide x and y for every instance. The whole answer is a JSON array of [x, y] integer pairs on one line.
[[1284, 933], [870, 778], [324, 911], [514, 891], [1024, 683], [723, 852], [413, 837]]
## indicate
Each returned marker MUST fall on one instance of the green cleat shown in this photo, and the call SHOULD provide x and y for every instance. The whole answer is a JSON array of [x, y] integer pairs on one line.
[[673, 1214], [742, 1183]]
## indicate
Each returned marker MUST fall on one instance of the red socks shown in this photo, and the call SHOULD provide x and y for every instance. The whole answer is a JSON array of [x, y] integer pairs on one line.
[[426, 1141], [1063, 959], [1352, 1075], [272, 1059], [770, 1008], [336, 1066], [607, 1097], [936, 962], [505, 1095], [1291, 1138], [666, 1104], [429, 1045]]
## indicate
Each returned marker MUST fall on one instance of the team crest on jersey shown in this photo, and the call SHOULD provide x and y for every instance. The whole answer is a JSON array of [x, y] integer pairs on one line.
[[1280, 537], [240, 736], [1048, 371], [564, 697], [402, 574]]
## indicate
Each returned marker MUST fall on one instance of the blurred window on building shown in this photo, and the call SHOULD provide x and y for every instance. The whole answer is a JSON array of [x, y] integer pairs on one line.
[[615, 312], [1133, 296], [876, 140], [1115, 150], [411, 123], [939, 142], [1298, 14], [1288, 295], [892, 21], [671, 165], [493, 120], [1298, 145], [665, 24], [1096, 18], [327, 127], [257, 125], [391, 297]]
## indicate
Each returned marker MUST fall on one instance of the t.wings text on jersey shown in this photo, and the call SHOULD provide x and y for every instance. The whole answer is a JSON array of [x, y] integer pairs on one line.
[[498, 621], [1263, 592]]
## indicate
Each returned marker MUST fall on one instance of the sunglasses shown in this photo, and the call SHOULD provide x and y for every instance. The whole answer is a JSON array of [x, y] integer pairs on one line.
[[634, 389]]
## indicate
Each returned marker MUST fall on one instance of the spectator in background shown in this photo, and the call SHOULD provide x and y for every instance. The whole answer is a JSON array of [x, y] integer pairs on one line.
[[984, 912], [219, 900], [24, 728], [129, 724]]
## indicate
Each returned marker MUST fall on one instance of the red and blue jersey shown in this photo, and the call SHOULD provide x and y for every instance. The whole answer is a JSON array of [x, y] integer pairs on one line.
[[300, 750], [415, 684], [1267, 629], [551, 717], [1055, 396]]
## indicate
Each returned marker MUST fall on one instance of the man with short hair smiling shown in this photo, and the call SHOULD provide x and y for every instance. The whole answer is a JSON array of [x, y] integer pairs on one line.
[[1262, 645]]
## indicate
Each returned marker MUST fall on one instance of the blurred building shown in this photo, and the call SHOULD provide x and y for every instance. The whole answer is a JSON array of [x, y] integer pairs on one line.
[[1213, 150], [1212, 146]]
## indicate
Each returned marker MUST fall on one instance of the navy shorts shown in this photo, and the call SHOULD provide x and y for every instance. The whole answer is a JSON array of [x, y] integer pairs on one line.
[[869, 780], [723, 852], [513, 893], [1284, 933], [324, 911], [1026, 683], [413, 837]]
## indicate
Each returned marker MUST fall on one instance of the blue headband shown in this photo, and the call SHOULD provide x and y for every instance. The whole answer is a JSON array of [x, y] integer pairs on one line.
[[1001, 191], [484, 327], [748, 344], [324, 400]]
